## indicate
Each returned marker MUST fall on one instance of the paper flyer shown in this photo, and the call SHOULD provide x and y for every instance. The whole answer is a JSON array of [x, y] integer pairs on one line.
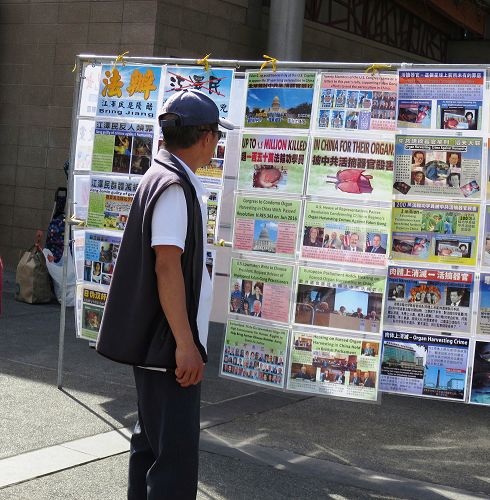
[[260, 289], [129, 92], [357, 101], [210, 261], [100, 256], [213, 207], [122, 148], [480, 380], [85, 144], [328, 365], [424, 365], [89, 89], [271, 163], [81, 194], [110, 201], [255, 353], [78, 252], [485, 262], [439, 232], [483, 327], [357, 169], [213, 173], [435, 99], [281, 99], [338, 299], [438, 299], [266, 225], [91, 301], [342, 233], [443, 167], [215, 83]]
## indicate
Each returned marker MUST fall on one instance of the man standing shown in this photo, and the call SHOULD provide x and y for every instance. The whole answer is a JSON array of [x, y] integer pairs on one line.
[[157, 312]]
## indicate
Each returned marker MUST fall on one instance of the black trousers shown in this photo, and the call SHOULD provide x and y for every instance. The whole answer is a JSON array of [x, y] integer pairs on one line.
[[164, 453]]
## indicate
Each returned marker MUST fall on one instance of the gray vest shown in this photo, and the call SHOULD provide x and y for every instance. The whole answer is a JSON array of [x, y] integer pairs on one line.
[[134, 329]]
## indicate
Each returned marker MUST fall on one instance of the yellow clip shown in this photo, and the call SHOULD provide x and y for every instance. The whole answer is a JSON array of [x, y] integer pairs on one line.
[[120, 58], [204, 62], [269, 60], [77, 222], [74, 68], [374, 68]]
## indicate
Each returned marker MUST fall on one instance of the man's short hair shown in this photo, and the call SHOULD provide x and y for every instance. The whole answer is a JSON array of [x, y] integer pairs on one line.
[[186, 136]]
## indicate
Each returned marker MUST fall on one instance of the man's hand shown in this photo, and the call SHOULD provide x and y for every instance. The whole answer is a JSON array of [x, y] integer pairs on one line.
[[190, 368]]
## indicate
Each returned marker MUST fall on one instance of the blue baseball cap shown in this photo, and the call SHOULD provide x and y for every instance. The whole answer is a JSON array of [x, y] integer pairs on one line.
[[191, 107]]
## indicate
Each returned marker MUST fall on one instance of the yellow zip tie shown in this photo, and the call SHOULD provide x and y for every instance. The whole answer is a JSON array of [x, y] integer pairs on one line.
[[374, 68], [120, 58], [204, 62], [77, 222], [74, 68], [269, 60]]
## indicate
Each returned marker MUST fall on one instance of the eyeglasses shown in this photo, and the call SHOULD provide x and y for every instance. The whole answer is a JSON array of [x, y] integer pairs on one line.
[[217, 132]]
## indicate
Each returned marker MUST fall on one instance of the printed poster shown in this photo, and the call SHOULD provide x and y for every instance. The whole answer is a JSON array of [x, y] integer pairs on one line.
[[81, 194], [480, 381], [90, 89], [443, 167], [100, 256], [215, 83], [357, 169], [424, 365], [328, 365], [260, 289], [341, 233], [122, 148], [110, 201], [213, 173], [435, 232], [266, 225], [338, 299], [434, 99], [85, 144], [357, 101], [281, 99], [91, 301], [486, 247], [484, 309], [210, 261], [255, 353], [78, 252], [129, 92], [272, 163], [213, 207], [429, 298]]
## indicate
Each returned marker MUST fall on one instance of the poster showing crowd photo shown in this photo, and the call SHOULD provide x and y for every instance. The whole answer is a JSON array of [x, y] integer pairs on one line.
[[110, 200], [129, 92], [339, 300], [351, 169], [483, 327], [266, 225], [272, 163], [346, 233], [329, 365], [444, 167], [260, 289], [122, 148], [212, 173], [100, 255], [480, 380], [435, 232], [281, 99], [255, 353], [434, 99], [438, 299], [213, 207], [215, 83], [424, 365], [357, 101], [91, 301]]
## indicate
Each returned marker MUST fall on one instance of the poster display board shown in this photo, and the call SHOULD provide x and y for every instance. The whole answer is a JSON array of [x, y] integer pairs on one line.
[[338, 299], [344, 367], [255, 353], [266, 225], [436, 299], [357, 101], [424, 365], [438, 166], [346, 233], [442, 232], [435, 99], [480, 380]]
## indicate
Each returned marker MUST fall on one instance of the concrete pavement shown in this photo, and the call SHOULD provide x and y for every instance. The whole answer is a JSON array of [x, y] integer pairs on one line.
[[256, 443]]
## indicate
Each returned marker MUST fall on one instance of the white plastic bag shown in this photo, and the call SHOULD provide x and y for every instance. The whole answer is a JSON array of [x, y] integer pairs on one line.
[[56, 272]]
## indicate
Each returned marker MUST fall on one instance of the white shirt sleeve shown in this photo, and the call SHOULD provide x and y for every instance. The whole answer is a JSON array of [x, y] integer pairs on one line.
[[169, 221]]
